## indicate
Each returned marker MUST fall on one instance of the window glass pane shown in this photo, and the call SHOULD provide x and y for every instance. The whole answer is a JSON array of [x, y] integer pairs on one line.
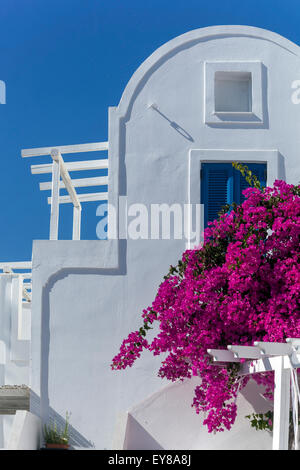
[[217, 188]]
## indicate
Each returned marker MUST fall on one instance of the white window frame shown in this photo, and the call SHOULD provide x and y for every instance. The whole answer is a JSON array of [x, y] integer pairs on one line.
[[253, 117]]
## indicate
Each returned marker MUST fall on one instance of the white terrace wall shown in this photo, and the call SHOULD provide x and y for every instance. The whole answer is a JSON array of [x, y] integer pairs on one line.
[[88, 295]]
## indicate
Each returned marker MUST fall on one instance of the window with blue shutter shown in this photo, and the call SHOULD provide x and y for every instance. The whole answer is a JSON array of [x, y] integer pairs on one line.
[[222, 184]]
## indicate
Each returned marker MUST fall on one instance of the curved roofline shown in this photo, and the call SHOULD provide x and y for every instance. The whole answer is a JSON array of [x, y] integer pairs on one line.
[[186, 39]]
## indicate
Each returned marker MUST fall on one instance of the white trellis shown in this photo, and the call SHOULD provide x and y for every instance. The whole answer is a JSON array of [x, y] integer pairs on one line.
[[61, 179], [283, 359], [17, 300], [23, 278]]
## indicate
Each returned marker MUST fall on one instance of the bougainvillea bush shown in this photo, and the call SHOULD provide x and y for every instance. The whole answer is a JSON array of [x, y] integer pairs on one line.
[[242, 285]]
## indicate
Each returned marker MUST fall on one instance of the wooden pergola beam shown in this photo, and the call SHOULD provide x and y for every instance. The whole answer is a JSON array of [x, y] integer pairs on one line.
[[78, 183], [16, 265], [281, 358], [89, 197], [56, 156], [78, 148], [71, 166]]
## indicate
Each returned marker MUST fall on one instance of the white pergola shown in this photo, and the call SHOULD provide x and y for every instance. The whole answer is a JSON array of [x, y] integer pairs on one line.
[[23, 279], [61, 178], [284, 360], [17, 300]]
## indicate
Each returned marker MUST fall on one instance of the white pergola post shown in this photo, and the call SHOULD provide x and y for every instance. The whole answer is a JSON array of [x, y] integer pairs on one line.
[[17, 294], [54, 215], [57, 158], [281, 405], [76, 222]]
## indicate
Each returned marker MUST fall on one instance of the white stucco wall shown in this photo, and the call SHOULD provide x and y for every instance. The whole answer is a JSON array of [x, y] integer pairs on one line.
[[88, 295], [25, 433], [165, 420]]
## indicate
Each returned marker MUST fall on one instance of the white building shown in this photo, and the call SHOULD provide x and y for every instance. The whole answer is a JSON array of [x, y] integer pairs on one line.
[[199, 102]]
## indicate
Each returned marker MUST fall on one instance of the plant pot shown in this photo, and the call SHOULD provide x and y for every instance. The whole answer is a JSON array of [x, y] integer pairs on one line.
[[58, 446]]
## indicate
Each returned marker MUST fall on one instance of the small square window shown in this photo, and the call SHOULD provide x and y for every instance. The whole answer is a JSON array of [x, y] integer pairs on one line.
[[233, 92]]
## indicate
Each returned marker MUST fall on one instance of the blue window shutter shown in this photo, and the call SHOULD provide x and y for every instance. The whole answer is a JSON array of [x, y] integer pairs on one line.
[[221, 184], [216, 188]]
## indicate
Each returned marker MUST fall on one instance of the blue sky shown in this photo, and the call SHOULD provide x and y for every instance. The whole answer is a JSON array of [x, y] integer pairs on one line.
[[64, 62]]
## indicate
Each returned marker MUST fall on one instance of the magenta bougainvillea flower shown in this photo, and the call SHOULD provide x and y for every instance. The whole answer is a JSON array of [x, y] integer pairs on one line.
[[241, 286]]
